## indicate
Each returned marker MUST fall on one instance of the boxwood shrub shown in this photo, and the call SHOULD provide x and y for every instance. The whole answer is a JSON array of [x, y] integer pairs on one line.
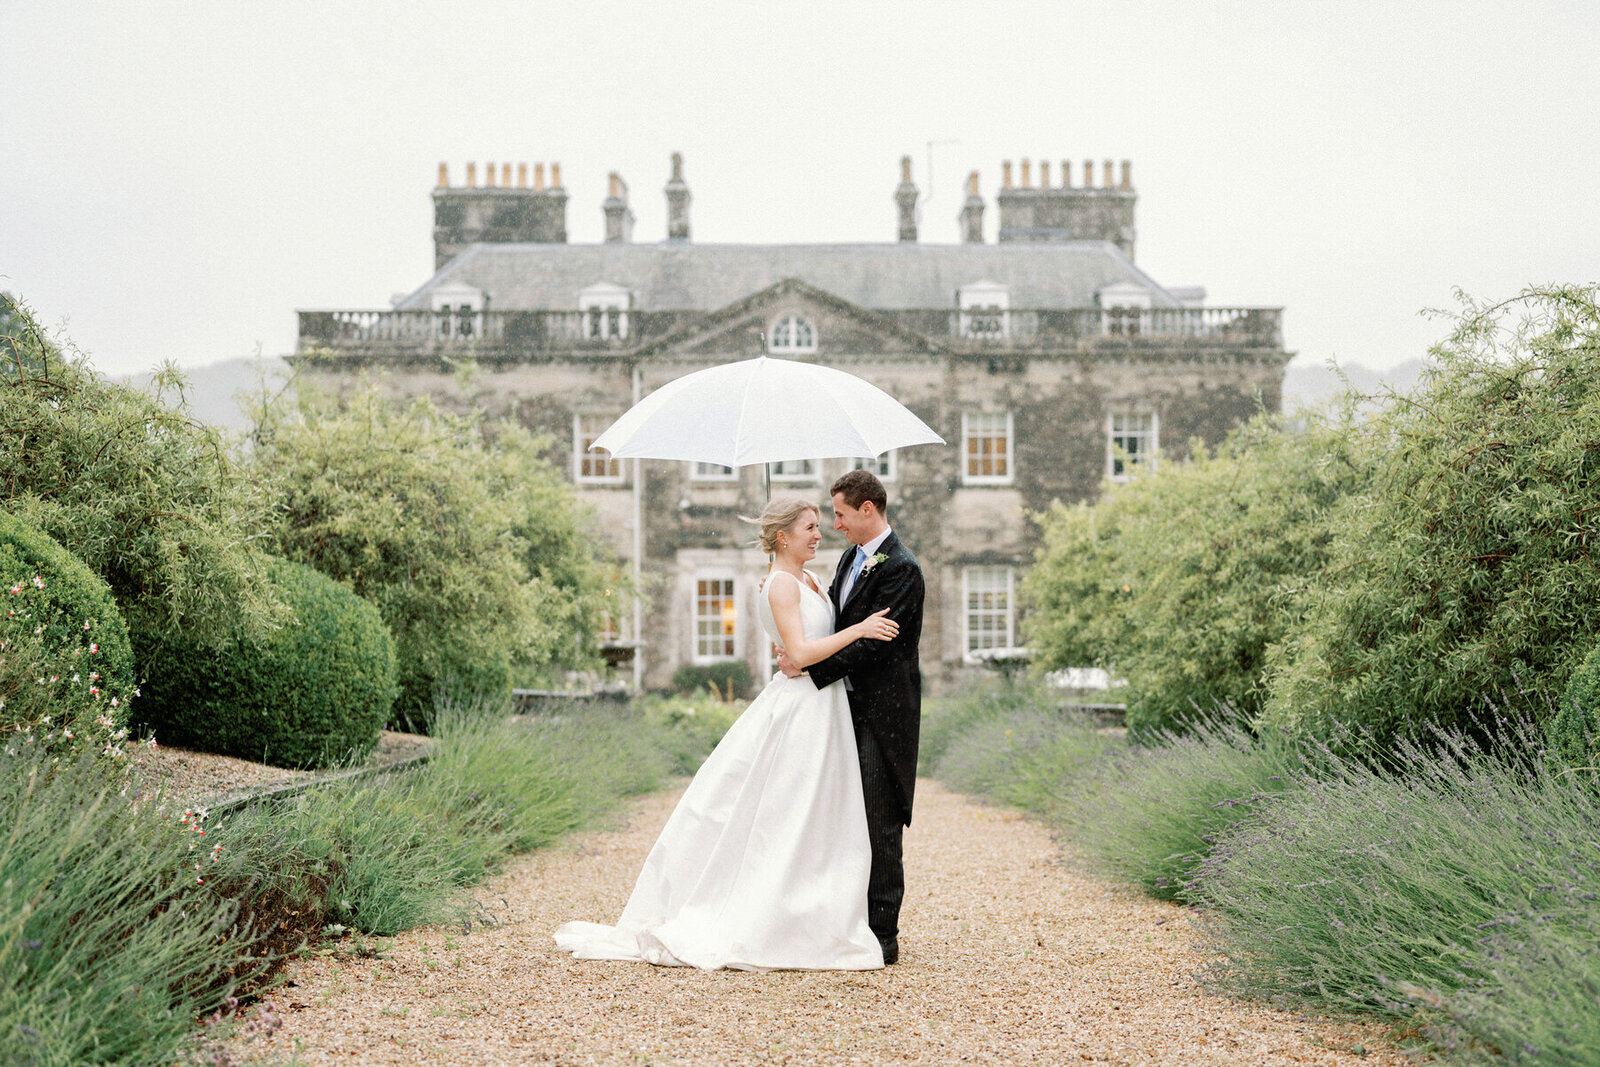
[[730, 677], [64, 649], [314, 693], [1573, 733]]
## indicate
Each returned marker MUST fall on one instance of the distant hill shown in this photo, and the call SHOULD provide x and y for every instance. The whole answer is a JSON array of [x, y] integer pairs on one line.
[[213, 390], [1309, 385]]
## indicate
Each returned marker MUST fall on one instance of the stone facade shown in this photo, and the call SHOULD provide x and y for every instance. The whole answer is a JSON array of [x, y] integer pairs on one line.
[[1048, 364]]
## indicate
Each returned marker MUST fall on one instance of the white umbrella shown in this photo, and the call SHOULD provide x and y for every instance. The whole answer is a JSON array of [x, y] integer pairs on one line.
[[764, 410]]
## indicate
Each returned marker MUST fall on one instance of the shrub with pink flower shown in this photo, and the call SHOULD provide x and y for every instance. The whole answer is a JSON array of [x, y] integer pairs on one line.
[[66, 668]]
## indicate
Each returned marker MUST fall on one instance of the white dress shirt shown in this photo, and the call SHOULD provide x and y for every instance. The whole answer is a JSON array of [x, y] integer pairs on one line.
[[867, 551]]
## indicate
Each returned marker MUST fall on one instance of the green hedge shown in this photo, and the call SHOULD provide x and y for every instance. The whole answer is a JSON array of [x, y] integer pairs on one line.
[[64, 649], [1573, 733], [316, 692], [731, 678]]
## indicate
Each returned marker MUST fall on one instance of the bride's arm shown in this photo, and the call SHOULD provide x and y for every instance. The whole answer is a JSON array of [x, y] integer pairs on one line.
[[785, 600]]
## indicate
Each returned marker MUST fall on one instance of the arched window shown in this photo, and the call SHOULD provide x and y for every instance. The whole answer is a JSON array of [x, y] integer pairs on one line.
[[793, 334]]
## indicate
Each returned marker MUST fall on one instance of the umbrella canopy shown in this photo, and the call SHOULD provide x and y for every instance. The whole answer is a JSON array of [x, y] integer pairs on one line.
[[764, 410]]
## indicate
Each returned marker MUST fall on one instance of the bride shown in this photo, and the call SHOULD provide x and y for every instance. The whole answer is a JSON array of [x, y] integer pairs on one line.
[[763, 864]]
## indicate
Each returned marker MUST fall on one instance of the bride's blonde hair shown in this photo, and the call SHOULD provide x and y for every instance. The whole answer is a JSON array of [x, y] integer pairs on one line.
[[779, 514]]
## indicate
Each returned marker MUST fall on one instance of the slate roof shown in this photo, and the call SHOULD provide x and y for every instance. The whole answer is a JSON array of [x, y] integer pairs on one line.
[[709, 276]]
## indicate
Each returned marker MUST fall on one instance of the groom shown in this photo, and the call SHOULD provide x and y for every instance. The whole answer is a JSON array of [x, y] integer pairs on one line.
[[883, 680]]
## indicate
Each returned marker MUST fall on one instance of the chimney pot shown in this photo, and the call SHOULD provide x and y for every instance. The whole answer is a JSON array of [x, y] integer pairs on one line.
[[1027, 182], [619, 217], [488, 175], [505, 175], [555, 175], [1005, 174], [522, 175], [472, 175], [905, 198], [1127, 174], [678, 200], [538, 175], [1109, 181], [1044, 174], [1088, 174], [971, 216], [1066, 174], [444, 175]]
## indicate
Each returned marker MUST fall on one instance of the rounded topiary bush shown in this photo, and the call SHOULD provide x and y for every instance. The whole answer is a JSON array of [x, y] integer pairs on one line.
[[314, 693], [1574, 733], [64, 649]]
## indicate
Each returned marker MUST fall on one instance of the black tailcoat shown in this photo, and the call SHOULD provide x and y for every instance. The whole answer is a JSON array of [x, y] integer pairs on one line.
[[885, 678]]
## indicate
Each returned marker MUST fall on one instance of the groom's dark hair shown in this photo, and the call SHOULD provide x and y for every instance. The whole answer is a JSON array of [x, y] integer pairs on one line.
[[858, 486]]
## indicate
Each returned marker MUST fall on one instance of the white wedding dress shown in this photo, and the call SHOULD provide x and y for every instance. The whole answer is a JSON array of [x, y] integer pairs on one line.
[[763, 864]]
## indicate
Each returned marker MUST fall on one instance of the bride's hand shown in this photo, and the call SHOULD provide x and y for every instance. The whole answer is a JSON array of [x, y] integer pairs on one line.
[[877, 626]]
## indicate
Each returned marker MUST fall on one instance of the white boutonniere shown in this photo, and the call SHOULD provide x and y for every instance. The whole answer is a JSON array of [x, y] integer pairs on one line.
[[873, 561]]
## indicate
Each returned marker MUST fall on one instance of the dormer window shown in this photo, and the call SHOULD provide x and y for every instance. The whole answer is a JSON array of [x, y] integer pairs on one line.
[[792, 333], [458, 311], [985, 311], [605, 308], [1124, 307]]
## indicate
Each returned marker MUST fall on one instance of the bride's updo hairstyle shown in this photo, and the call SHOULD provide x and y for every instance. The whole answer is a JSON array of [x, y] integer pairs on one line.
[[779, 514]]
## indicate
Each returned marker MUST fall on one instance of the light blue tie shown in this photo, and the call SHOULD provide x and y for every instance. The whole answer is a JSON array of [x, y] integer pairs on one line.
[[855, 571]]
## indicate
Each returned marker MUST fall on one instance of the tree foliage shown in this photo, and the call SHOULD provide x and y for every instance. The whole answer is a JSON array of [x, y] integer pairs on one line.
[[1180, 579], [1468, 568], [148, 498], [471, 546]]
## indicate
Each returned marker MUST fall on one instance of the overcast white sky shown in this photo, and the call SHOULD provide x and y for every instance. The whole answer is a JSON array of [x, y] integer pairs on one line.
[[178, 178]]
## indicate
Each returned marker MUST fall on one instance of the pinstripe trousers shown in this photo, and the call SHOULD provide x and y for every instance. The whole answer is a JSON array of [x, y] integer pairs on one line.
[[886, 885]]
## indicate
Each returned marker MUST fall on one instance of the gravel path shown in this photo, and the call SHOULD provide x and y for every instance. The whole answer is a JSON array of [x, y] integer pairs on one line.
[[1006, 957]]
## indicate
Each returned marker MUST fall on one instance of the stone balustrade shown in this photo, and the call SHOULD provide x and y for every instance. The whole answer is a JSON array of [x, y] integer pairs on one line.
[[519, 335]]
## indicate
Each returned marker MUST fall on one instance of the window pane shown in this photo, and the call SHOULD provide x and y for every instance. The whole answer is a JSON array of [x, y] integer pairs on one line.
[[988, 608], [594, 466], [715, 618], [988, 445]]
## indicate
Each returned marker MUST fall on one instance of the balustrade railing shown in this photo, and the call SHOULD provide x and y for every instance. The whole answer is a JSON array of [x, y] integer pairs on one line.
[[513, 334], [488, 332]]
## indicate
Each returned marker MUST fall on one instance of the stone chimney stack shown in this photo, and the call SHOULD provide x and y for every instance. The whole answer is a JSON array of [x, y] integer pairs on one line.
[[677, 202], [619, 217], [972, 213], [1035, 213], [496, 212], [905, 198]]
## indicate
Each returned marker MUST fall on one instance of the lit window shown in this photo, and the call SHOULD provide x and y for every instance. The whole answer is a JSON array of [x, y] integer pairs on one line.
[[986, 447], [593, 468], [882, 466], [987, 592], [795, 470], [715, 616], [1132, 438], [713, 472], [793, 334]]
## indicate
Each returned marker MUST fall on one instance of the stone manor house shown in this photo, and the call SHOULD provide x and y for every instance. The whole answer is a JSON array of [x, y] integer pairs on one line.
[[1048, 361]]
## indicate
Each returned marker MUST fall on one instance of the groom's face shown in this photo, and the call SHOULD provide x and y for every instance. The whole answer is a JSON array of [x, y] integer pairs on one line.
[[857, 524]]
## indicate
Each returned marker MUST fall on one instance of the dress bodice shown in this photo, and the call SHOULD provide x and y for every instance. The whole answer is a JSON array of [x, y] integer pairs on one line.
[[816, 610]]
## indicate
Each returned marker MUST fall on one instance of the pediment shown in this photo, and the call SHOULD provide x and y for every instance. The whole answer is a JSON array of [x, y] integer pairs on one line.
[[839, 328]]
